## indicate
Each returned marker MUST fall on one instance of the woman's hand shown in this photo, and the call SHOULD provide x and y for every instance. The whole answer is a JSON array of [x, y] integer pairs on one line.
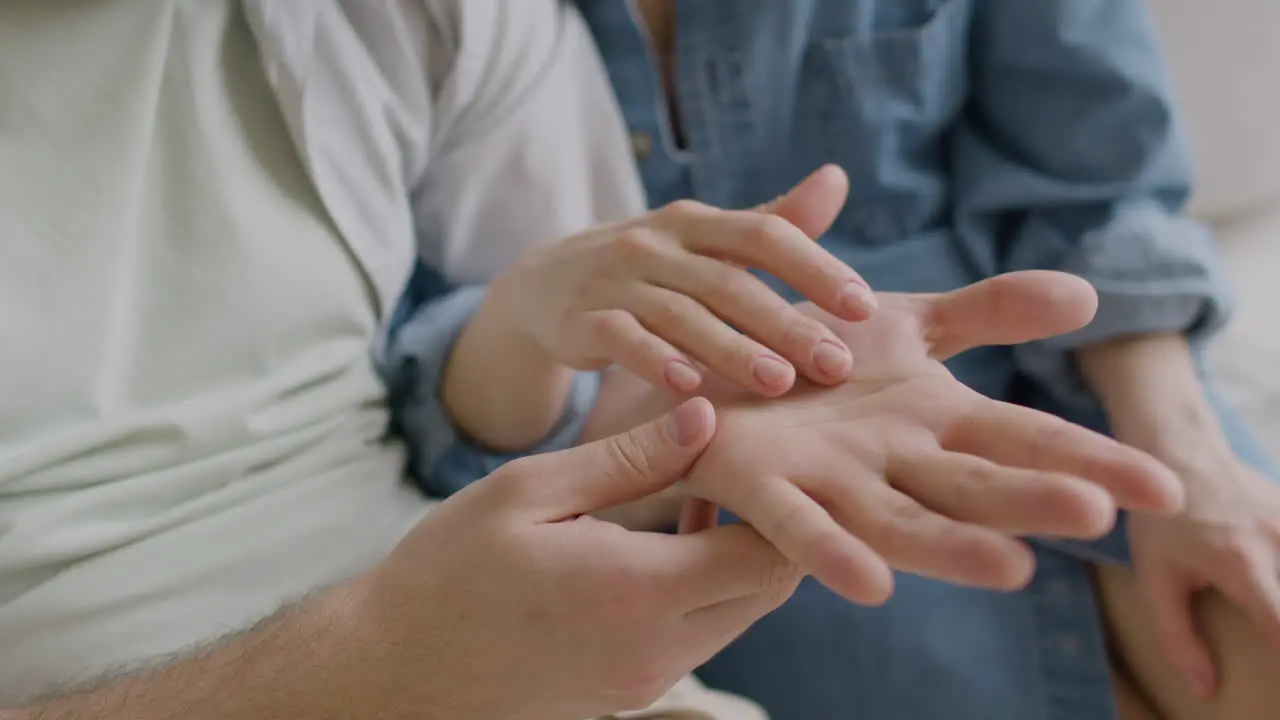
[[903, 466], [1227, 539], [663, 294]]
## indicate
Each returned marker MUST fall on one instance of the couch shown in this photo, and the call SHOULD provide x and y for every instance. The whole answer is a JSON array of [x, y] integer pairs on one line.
[[1223, 55]]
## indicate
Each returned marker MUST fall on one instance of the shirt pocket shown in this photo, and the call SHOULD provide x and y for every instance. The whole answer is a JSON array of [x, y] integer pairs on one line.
[[880, 101]]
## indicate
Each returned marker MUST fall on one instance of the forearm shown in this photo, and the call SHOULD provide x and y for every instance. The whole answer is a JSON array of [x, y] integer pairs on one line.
[[1151, 390], [499, 387], [292, 666]]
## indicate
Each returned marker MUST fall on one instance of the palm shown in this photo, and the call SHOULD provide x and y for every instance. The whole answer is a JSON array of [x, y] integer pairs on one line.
[[902, 346], [904, 462]]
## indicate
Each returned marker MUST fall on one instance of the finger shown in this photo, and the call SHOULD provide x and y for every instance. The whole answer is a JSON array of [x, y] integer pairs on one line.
[[1020, 437], [613, 471], [1257, 591], [814, 203], [769, 243], [1011, 501], [1006, 310], [1169, 603], [616, 336], [705, 632], [684, 322], [697, 515], [747, 303], [717, 564], [914, 539], [803, 531]]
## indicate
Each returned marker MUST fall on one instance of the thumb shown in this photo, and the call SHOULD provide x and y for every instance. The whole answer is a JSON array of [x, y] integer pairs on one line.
[[621, 468], [1007, 309], [813, 204], [1169, 600]]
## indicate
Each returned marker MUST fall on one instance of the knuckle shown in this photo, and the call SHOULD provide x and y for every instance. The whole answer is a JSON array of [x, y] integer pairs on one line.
[[969, 483], [779, 579], [630, 457], [610, 326], [1046, 436], [790, 522], [906, 512], [671, 309], [509, 485], [771, 230], [635, 246], [726, 281], [736, 353], [898, 520], [799, 332], [683, 208]]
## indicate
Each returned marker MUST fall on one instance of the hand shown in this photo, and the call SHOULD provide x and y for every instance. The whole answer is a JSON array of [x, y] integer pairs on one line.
[[657, 295], [1227, 539], [508, 602], [904, 466]]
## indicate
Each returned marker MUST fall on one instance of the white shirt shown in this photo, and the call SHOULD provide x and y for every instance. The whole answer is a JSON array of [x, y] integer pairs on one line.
[[191, 431], [449, 127]]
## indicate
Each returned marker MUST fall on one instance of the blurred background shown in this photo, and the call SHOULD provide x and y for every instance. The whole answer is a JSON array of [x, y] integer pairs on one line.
[[1225, 55]]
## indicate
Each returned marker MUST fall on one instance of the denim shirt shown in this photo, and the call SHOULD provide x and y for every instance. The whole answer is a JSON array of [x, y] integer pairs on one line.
[[980, 136]]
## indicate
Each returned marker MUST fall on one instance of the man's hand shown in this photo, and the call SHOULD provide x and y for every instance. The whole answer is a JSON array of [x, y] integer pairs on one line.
[[902, 466], [505, 602], [509, 601]]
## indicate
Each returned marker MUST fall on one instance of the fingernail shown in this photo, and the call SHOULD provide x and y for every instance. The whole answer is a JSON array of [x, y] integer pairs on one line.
[[686, 423], [832, 359], [858, 297], [682, 376], [772, 372]]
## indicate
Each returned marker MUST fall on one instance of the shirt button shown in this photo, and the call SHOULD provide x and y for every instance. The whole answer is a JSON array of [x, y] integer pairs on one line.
[[1069, 645], [641, 144]]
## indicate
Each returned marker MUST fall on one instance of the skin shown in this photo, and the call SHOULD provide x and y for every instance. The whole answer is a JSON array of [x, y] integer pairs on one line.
[[896, 394], [537, 612], [656, 296], [1195, 621], [1224, 546], [898, 466]]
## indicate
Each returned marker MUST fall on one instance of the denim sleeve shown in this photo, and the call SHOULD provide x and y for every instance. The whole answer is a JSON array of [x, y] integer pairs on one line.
[[442, 459], [1070, 157]]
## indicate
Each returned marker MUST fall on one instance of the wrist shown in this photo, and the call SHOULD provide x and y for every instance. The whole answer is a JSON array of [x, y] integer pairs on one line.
[[1151, 389], [500, 386]]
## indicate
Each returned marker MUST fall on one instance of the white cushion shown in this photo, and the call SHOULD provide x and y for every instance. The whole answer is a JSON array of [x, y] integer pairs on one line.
[[1224, 55]]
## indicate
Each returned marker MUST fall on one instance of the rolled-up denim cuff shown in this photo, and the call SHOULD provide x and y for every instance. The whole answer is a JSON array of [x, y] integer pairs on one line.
[[444, 460], [1153, 273]]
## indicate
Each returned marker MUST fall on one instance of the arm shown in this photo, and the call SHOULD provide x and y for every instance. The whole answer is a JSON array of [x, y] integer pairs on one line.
[[1071, 158], [299, 664], [500, 387], [1151, 390], [436, 391], [530, 148]]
